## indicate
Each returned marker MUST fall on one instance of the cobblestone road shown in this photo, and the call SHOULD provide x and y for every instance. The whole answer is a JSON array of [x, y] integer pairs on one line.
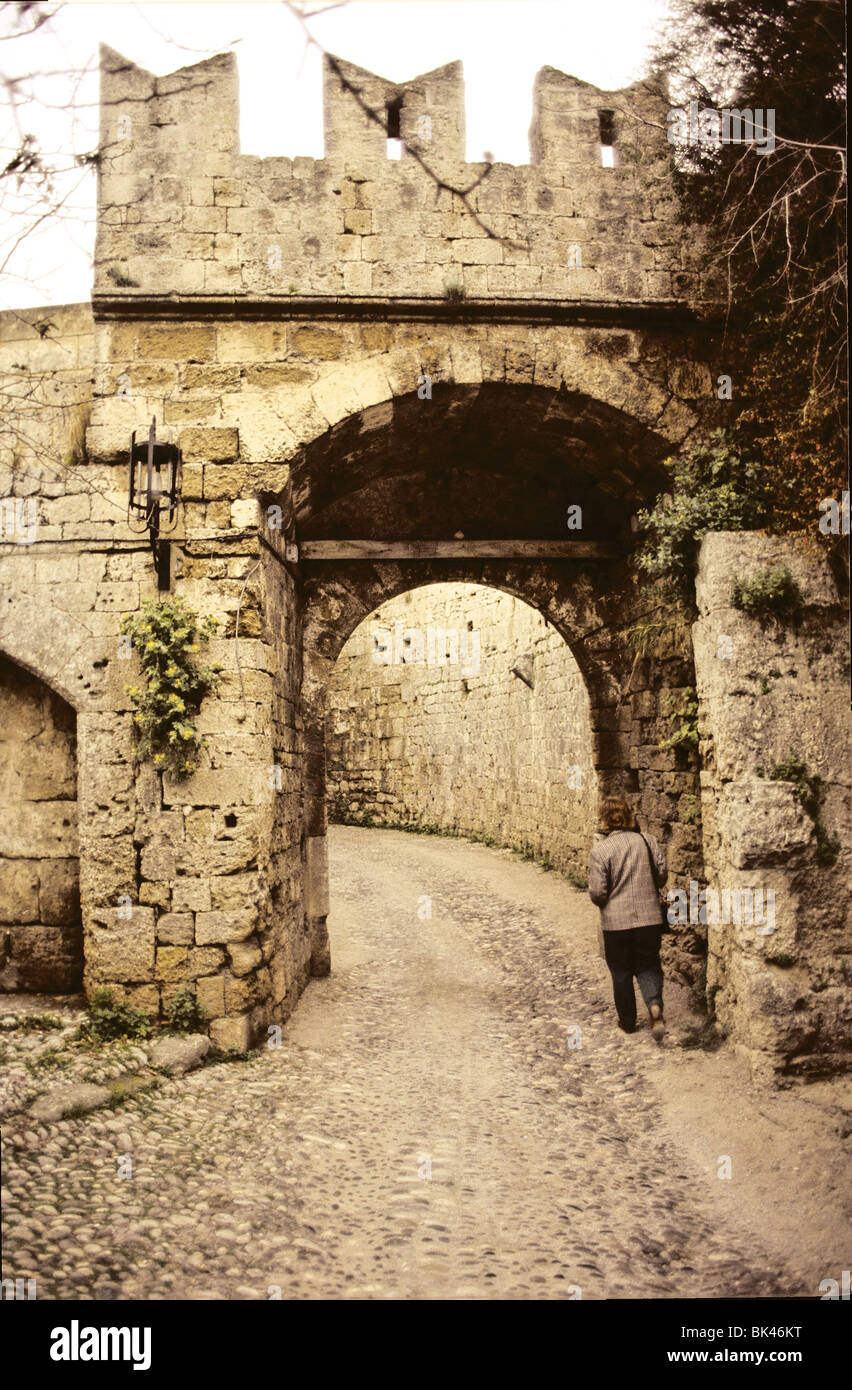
[[428, 1128]]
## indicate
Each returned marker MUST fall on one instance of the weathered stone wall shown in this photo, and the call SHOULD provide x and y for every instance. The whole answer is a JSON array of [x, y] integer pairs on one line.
[[565, 377], [780, 987], [467, 746], [183, 212], [41, 936], [46, 360]]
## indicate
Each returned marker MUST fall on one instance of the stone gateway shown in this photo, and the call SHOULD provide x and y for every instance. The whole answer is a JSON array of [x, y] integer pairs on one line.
[[279, 317]]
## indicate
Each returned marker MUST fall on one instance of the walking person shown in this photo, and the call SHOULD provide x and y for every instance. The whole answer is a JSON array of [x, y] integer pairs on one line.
[[625, 873]]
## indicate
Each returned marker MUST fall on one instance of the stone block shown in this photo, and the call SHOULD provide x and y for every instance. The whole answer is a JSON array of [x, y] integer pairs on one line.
[[316, 342], [232, 1032], [234, 891], [38, 959], [19, 883], [158, 862], [177, 343], [244, 786], [245, 512], [213, 445], [170, 963], [762, 822], [49, 825], [240, 995], [176, 928], [244, 957], [178, 1055], [202, 960], [107, 869], [210, 993], [69, 1098], [120, 951], [59, 892], [191, 895], [214, 927]]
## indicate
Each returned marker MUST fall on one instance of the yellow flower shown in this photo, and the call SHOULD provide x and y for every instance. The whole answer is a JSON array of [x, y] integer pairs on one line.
[[158, 757], [194, 647]]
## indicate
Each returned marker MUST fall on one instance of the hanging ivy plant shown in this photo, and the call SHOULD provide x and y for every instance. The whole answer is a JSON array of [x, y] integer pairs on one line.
[[166, 636]]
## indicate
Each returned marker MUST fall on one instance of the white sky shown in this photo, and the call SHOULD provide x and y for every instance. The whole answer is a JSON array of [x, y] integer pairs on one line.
[[502, 44]]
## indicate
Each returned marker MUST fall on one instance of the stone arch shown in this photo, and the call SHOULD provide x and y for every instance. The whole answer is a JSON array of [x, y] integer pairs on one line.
[[494, 460], [41, 934], [482, 725], [52, 644], [68, 656], [654, 374]]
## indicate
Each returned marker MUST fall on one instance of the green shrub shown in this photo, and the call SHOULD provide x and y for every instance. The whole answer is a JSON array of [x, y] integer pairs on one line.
[[807, 787], [654, 637], [770, 593], [809, 790], [165, 635], [109, 1018], [714, 489], [39, 1023], [682, 706], [184, 1014]]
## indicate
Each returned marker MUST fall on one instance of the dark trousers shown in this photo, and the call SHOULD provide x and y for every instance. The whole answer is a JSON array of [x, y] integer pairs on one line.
[[634, 952]]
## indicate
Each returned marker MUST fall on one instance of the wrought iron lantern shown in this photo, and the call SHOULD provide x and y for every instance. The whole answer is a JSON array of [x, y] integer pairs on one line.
[[154, 494]]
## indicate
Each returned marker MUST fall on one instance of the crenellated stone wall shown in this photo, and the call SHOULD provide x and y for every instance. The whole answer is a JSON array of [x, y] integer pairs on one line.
[[184, 213]]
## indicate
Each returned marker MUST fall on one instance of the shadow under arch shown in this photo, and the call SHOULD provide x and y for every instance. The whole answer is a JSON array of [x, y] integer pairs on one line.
[[496, 459]]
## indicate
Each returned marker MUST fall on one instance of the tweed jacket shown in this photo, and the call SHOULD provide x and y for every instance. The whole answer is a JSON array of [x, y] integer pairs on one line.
[[621, 883]]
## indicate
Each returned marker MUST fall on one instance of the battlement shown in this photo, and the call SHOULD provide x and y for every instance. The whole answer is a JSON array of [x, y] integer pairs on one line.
[[182, 212]]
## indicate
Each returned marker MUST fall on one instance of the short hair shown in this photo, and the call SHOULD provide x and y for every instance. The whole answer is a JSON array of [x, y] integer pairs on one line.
[[616, 814]]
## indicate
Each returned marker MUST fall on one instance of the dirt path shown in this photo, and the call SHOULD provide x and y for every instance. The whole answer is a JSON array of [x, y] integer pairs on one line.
[[430, 1129]]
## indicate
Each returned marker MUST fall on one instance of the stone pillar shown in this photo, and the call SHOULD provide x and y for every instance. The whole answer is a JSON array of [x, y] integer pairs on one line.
[[776, 694]]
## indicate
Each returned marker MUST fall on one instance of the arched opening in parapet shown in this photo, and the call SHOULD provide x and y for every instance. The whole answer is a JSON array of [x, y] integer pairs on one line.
[[41, 939]]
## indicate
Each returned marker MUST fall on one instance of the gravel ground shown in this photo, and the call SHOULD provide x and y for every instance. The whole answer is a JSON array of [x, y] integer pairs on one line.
[[429, 1127]]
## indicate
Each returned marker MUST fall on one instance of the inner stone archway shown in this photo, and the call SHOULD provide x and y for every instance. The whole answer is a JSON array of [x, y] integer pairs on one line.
[[458, 708]]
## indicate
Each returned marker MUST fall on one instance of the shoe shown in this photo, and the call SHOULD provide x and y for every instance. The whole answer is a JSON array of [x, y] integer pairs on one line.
[[627, 1027], [658, 1025]]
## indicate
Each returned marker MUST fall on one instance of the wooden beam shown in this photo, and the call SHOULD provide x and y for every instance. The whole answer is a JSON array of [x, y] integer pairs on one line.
[[458, 550]]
